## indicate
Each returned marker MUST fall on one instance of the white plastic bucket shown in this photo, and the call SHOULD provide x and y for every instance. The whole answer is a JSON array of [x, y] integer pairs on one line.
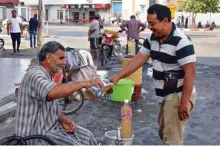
[[112, 139]]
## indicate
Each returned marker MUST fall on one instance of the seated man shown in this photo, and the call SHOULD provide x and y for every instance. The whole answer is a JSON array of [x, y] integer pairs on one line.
[[37, 111]]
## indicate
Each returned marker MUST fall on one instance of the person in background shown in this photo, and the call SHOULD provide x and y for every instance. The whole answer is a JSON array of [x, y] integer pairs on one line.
[[33, 25], [186, 22], [14, 27], [174, 66], [37, 107], [94, 36], [182, 20], [133, 27]]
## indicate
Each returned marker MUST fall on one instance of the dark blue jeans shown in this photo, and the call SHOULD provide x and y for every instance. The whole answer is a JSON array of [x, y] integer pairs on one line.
[[33, 35], [16, 37], [136, 47]]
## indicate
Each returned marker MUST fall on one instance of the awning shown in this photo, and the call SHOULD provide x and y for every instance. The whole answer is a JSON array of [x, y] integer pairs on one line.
[[74, 2], [64, 6], [9, 1], [102, 6]]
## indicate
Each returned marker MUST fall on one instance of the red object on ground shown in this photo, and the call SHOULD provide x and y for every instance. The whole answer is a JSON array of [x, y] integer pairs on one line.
[[69, 20], [137, 92], [58, 77]]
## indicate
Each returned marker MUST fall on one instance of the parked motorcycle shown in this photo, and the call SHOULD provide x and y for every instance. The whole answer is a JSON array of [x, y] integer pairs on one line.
[[118, 48], [2, 43], [109, 38], [117, 20]]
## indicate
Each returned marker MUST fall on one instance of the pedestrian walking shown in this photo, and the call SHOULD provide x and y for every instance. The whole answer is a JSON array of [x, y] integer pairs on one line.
[[33, 25], [174, 61], [14, 28]]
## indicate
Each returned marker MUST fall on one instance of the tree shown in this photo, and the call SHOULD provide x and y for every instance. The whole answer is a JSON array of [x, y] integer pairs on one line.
[[41, 26], [200, 6], [40, 38]]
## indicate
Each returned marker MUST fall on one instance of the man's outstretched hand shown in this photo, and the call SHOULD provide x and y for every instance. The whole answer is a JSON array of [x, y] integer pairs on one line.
[[114, 79], [97, 83]]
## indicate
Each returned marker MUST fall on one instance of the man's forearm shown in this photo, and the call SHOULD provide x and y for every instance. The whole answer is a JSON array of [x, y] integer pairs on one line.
[[8, 28], [64, 90], [123, 28], [189, 81], [21, 28], [188, 85], [91, 32]]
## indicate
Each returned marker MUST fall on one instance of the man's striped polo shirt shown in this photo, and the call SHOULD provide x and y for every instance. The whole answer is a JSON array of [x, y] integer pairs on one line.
[[170, 55]]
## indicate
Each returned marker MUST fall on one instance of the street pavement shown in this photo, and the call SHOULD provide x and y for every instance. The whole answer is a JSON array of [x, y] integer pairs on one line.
[[102, 115]]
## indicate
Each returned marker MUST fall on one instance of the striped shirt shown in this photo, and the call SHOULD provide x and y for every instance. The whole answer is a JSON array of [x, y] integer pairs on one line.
[[36, 115], [170, 55]]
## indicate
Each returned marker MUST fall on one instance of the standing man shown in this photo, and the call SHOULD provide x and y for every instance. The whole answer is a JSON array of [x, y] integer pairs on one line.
[[37, 111], [133, 28], [182, 20], [14, 28], [33, 25], [186, 22], [93, 36], [174, 64]]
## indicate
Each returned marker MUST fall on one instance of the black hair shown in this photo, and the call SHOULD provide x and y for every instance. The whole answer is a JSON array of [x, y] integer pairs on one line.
[[13, 11], [97, 16], [161, 11], [133, 17], [50, 48]]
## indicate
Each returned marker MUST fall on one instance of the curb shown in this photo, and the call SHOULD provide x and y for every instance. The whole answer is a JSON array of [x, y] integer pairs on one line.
[[7, 108], [195, 29], [45, 36]]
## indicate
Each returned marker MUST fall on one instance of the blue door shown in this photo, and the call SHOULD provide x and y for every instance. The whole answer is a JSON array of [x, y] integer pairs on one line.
[[117, 8]]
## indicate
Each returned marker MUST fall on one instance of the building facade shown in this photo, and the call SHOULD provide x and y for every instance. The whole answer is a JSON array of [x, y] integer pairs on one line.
[[135, 7], [116, 8], [5, 8], [81, 11], [57, 11]]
